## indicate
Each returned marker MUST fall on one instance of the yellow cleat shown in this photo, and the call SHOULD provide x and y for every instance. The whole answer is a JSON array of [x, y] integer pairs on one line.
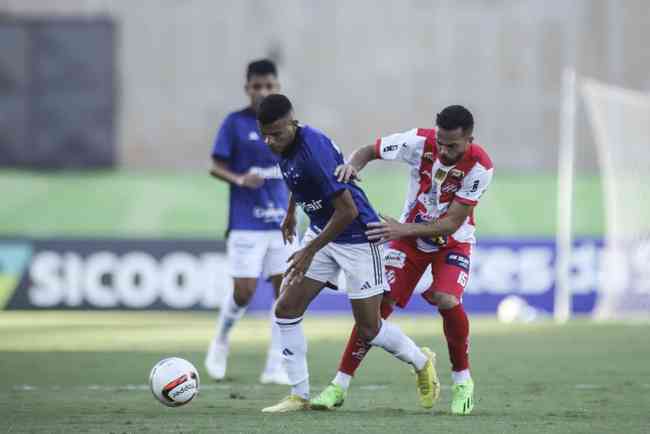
[[428, 385], [290, 403]]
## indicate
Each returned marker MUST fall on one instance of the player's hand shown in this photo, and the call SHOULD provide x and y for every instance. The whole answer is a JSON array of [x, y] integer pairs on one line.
[[346, 173], [251, 180], [299, 263], [288, 228], [387, 230]]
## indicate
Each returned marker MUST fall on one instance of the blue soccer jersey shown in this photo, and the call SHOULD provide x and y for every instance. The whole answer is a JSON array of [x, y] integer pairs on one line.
[[308, 169], [239, 144]]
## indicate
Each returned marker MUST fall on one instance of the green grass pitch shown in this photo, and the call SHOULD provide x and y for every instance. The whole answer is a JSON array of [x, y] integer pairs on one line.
[[87, 372]]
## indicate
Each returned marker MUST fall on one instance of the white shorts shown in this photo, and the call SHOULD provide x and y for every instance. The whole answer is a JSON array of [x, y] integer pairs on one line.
[[257, 253], [362, 264]]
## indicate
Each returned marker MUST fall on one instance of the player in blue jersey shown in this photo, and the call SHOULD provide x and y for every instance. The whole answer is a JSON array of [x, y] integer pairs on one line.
[[339, 215], [258, 202]]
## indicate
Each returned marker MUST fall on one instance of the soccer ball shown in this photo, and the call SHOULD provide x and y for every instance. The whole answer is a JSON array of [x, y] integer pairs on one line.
[[174, 381], [514, 309]]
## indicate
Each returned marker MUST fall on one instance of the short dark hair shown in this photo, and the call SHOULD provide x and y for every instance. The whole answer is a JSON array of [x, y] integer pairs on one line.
[[455, 116], [261, 67], [272, 108]]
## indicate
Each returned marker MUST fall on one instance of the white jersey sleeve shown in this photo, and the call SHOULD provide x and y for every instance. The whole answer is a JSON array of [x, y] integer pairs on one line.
[[406, 147], [474, 184]]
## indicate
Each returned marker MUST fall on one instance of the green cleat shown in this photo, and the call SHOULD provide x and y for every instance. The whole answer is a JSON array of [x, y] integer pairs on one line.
[[462, 401], [333, 396]]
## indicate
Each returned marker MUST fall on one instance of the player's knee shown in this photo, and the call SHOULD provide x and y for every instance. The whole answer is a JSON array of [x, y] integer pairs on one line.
[[387, 306], [287, 309], [276, 282], [243, 293], [367, 332], [443, 300]]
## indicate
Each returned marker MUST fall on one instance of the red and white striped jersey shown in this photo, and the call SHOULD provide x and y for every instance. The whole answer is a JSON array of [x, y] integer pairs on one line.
[[433, 186]]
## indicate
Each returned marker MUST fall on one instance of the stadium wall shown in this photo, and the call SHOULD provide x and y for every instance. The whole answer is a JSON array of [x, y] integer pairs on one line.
[[357, 70]]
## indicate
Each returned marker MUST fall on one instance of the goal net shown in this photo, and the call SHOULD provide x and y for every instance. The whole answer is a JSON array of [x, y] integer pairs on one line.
[[619, 120]]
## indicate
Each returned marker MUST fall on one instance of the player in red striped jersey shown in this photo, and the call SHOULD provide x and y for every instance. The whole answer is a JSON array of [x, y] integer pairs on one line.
[[448, 175]]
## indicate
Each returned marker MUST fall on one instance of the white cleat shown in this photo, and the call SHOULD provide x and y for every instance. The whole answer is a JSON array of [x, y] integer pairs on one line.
[[277, 376], [216, 360]]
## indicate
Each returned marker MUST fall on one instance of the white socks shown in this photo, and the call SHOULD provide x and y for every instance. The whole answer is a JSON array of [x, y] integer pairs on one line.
[[393, 340], [342, 379], [460, 376], [274, 356], [229, 315], [294, 354]]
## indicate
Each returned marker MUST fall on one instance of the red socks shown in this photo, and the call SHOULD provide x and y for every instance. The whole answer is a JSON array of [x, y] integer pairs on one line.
[[356, 349], [456, 327]]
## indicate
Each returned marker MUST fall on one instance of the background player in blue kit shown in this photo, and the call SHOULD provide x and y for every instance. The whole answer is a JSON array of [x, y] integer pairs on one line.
[[339, 215], [258, 203]]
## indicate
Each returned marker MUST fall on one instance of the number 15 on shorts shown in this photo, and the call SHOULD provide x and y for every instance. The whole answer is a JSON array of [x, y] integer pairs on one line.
[[462, 279]]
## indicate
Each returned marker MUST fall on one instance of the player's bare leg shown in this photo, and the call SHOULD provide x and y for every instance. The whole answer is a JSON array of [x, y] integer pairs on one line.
[[232, 309], [289, 309], [377, 332], [403, 279], [356, 349], [456, 329], [274, 372]]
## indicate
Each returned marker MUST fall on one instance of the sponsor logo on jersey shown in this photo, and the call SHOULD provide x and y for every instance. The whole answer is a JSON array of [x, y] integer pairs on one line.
[[365, 286], [272, 172], [253, 136], [291, 175], [390, 276], [441, 174], [312, 206], [458, 260], [395, 258], [450, 188], [390, 148], [456, 173], [270, 214], [428, 156]]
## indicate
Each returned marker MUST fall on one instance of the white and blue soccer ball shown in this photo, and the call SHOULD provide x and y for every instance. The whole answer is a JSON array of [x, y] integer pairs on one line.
[[174, 381]]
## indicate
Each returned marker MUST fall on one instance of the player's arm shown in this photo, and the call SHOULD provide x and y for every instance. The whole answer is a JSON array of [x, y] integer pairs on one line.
[[223, 151], [345, 211], [289, 222], [221, 171], [465, 199], [395, 147], [391, 229], [356, 162]]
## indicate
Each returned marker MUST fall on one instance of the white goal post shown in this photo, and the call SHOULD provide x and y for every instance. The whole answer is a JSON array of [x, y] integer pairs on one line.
[[619, 120]]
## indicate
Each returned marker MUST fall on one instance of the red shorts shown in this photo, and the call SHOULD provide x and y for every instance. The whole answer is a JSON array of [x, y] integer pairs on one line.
[[405, 265]]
